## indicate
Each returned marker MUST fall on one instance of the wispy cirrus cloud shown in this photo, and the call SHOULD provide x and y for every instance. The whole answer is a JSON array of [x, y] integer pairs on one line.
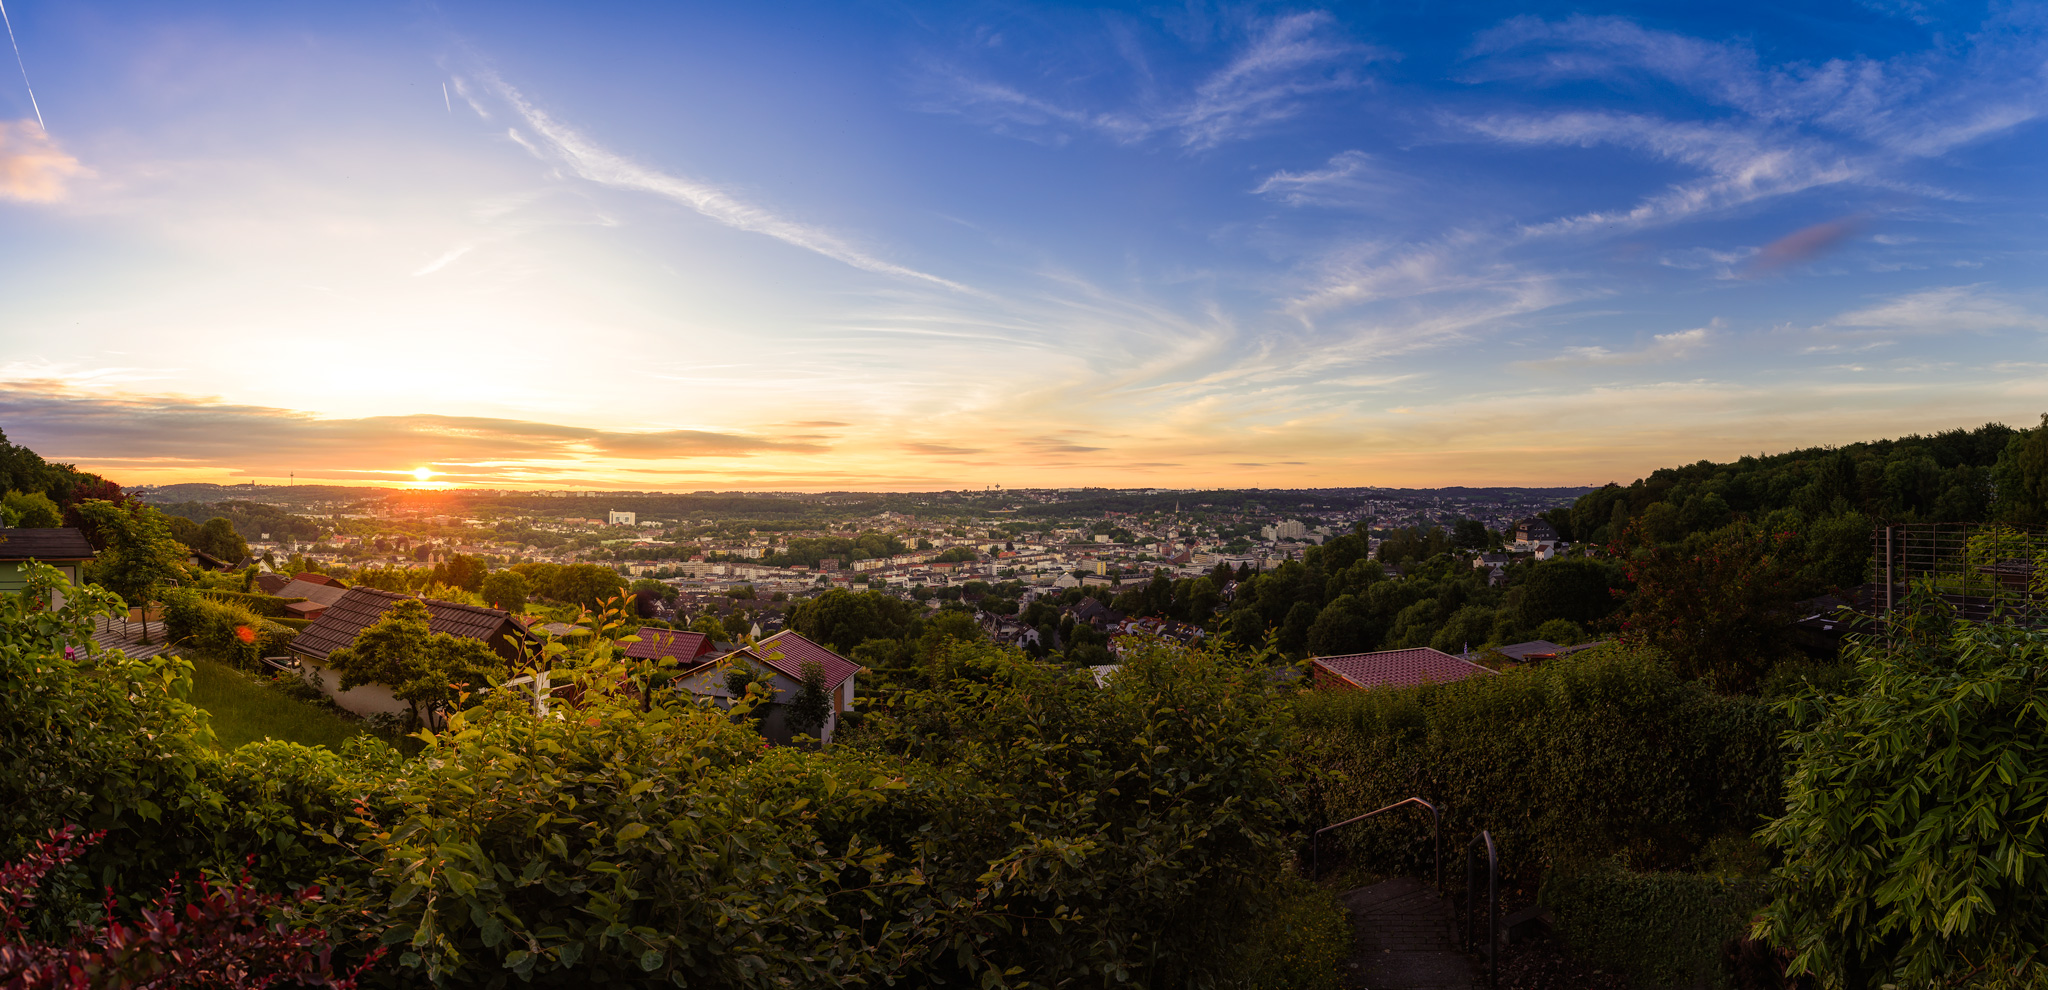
[[1663, 347], [596, 163], [33, 168], [1949, 309], [1350, 178], [1917, 103], [1740, 165], [1285, 60]]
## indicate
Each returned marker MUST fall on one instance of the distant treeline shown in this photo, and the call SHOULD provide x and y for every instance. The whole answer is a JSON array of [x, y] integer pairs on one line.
[[252, 520], [1952, 476], [23, 470]]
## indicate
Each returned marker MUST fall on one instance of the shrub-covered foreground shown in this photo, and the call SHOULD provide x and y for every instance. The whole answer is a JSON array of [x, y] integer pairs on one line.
[[1005, 824], [1916, 828], [1605, 753]]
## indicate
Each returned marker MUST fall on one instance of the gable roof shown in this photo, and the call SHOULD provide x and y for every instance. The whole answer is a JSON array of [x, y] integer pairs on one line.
[[58, 543], [312, 578], [679, 644], [325, 594], [1399, 668], [1523, 651], [360, 608], [270, 583], [788, 650]]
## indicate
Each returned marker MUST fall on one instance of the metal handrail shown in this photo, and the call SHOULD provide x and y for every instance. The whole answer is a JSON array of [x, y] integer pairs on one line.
[[1315, 838], [1492, 903]]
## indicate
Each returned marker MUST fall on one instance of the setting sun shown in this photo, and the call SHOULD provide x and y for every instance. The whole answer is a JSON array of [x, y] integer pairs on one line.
[[422, 474]]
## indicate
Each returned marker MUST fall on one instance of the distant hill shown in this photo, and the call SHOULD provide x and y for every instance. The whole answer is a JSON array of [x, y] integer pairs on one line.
[[1952, 476]]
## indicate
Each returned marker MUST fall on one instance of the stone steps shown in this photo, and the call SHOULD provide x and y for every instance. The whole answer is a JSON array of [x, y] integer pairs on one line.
[[1404, 939]]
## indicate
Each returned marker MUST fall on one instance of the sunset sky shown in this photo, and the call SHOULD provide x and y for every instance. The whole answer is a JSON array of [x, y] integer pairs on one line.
[[900, 246]]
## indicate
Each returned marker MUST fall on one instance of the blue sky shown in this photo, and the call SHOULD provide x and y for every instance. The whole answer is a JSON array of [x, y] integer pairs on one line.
[[682, 246]]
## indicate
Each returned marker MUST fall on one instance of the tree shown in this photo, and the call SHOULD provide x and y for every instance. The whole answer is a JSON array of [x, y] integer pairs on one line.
[[138, 555], [506, 590], [958, 555], [1469, 534], [1340, 628], [31, 510], [811, 708], [842, 619], [2021, 477], [1721, 610], [421, 667], [1575, 590], [218, 537], [1913, 849], [1294, 629]]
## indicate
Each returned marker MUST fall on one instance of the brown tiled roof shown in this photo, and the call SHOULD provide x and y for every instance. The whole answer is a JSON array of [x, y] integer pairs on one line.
[[360, 608], [311, 578], [788, 650], [1398, 668], [270, 583], [60, 543], [679, 644], [325, 594]]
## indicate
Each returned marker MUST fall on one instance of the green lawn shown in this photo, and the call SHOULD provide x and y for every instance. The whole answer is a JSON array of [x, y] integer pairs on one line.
[[246, 710]]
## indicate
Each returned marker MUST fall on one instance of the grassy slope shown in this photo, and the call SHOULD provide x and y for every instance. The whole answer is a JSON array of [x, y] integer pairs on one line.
[[244, 710]]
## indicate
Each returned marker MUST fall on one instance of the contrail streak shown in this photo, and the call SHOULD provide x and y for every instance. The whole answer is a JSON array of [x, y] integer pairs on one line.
[[24, 66], [444, 98]]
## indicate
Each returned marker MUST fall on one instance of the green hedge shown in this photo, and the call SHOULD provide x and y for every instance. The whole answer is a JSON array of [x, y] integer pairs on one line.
[[212, 628], [1661, 929], [296, 624], [267, 606], [1301, 943], [1600, 754]]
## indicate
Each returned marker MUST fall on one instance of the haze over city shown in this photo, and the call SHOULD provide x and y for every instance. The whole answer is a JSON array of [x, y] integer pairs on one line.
[[908, 247]]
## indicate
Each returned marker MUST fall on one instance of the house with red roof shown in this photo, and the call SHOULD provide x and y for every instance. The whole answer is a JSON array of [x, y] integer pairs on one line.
[[683, 646], [781, 657], [1391, 668]]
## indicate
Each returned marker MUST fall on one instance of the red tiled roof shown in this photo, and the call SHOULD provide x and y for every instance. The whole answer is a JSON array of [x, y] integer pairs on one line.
[[657, 643], [788, 650], [360, 608], [1399, 668]]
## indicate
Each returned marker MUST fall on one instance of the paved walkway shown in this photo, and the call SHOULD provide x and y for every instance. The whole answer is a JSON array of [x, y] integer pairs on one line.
[[127, 637], [1404, 940]]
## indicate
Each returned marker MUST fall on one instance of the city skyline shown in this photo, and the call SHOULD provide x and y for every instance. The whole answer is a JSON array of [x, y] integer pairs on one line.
[[914, 247]]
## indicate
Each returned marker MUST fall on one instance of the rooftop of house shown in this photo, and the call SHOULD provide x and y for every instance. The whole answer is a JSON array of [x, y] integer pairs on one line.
[[324, 594], [788, 650], [59, 543], [1400, 668], [360, 608], [678, 644]]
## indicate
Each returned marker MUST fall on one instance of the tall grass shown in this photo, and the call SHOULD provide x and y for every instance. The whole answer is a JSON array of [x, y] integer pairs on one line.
[[246, 710]]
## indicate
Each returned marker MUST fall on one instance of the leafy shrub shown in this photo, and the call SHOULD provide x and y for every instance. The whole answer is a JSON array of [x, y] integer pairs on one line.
[[220, 631], [267, 606], [98, 739], [1601, 753], [1913, 849], [1661, 929], [1300, 943]]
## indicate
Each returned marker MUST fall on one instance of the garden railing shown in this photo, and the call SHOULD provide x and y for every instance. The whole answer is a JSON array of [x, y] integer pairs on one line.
[[1436, 819], [1492, 903]]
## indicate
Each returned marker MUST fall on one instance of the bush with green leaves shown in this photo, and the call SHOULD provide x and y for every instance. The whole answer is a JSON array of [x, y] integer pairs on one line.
[[1915, 852], [95, 738], [1602, 753], [1661, 929], [219, 630]]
